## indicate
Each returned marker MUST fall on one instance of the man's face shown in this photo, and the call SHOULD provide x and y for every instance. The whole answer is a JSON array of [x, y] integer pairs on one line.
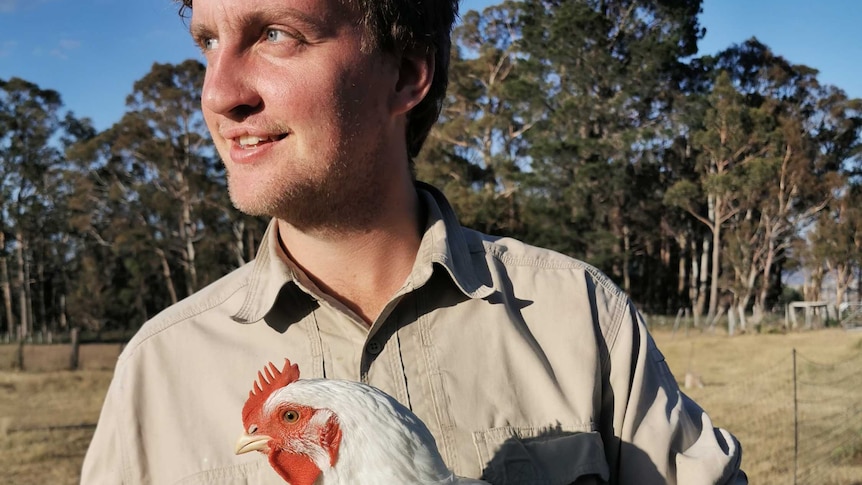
[[300, 115]]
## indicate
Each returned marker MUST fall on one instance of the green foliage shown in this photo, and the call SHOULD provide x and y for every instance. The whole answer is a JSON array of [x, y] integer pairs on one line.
[[587, 127], [33, 243], [682, 194], [628, 150], [112, 227]]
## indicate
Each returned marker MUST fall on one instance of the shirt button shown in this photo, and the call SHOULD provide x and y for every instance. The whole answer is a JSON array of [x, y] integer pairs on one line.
[[374, 347]]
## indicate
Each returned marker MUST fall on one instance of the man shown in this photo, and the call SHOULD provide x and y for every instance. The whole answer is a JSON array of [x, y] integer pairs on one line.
[[526, 365]]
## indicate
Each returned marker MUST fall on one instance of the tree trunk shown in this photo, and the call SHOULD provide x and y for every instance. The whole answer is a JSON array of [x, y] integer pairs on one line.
[[166, 273], [703, 276], [743, 323], [843, 277], [716, 252], [6, 282], [747, 295], [731, 319], [188, 230], [693, 294], [63, 322], [191, 270], [28, 293], [813, 284], [238, 230], [627, 283], [760, 302], [24, 312], [251, 244], [40, 287], [187, 234], [682, 242]]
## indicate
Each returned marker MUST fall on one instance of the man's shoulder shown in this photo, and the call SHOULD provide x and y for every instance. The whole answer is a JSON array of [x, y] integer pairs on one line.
[[557, 283], [220, 296], [513, 252]]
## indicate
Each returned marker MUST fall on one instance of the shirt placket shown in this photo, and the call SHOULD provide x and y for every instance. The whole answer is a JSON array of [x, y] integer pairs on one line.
[[315, 343], [382, 361]]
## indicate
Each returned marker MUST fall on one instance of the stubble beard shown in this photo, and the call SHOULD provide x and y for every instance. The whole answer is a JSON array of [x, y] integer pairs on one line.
[[341, 200], [341, 190]]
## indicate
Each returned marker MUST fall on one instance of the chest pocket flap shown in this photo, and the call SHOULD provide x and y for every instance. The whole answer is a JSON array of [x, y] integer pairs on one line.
[[512, 457]]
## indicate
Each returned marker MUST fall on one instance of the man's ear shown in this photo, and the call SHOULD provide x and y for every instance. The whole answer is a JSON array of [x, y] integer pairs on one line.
[[415, 75]]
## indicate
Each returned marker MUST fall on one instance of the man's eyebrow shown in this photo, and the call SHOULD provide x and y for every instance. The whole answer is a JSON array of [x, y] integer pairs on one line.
[[199, 32], [267, 15]]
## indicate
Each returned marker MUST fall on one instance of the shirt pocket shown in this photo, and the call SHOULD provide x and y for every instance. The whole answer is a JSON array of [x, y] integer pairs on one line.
[[513, 456]]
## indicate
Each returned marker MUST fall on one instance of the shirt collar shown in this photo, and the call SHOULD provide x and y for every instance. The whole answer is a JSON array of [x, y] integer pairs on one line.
[[271, 271], [444, 244], [447, 244]]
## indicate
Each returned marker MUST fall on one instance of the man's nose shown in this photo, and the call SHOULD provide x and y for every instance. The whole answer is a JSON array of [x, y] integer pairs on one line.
[[229, 87]]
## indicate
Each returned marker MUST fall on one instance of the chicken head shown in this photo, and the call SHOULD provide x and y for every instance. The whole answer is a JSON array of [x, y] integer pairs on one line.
[[300, 441]]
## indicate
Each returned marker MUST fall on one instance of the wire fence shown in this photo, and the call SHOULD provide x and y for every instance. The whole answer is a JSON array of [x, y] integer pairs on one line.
[[850, 315], [799, 420]]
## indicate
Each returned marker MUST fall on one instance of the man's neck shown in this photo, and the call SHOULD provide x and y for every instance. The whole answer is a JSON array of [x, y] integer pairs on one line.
[[361, 268]]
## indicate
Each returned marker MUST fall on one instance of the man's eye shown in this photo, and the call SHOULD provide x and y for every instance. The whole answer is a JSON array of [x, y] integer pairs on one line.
[[275, 35], [209, 44]]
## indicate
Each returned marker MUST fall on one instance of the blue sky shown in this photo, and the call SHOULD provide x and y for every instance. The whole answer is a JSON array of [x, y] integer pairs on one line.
[[92, 51]]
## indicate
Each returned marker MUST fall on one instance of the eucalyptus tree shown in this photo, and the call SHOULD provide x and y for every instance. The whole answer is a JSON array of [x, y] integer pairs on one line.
[[115, 263], [733, 134], [836, 240], [770, 150], [31, 194], [805, 173], [609, 71], [170, 152], [815, 132], [477, 152], [164, 223]]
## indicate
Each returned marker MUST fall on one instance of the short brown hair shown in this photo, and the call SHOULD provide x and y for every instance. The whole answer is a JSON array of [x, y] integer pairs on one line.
[[398, 26]]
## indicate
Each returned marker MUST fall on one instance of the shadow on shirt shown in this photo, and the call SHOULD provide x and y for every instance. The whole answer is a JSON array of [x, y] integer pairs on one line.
[[558, 457]]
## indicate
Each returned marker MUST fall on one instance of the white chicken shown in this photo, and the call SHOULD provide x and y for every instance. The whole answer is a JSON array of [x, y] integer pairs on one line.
[[337, 432]]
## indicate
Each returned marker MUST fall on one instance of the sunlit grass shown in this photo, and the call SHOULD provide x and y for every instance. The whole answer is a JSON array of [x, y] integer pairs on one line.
[[47, 418], [748, 388]]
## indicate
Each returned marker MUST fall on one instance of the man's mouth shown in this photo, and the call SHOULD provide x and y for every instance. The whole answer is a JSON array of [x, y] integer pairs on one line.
[[251, 141]]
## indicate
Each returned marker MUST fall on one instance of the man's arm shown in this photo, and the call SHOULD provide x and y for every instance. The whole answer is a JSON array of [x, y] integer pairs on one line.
[[103, 462], [663, 435]]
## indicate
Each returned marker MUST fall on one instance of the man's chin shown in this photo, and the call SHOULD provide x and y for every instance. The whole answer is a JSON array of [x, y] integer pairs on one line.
[[250, 202]]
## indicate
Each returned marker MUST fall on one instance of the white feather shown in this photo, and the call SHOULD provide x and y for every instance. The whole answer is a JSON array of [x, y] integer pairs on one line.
[[382, 441]]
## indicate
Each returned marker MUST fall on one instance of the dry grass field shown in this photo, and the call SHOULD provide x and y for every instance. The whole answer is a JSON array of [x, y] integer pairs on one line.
[[47, 417], [746, 385], [46, 422]]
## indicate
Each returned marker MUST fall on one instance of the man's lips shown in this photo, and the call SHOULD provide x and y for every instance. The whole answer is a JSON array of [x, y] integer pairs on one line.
[[248, 145], [247, 136], [253, 141]]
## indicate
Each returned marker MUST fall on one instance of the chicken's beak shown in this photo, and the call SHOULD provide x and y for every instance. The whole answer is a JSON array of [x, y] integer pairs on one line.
[[251, 442]]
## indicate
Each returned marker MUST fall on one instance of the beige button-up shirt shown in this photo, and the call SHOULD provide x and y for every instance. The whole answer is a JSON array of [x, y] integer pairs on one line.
[[527, 366]]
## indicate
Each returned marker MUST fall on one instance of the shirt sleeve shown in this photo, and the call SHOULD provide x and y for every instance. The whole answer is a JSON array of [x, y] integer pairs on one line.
[[662, 436], [103, 462]]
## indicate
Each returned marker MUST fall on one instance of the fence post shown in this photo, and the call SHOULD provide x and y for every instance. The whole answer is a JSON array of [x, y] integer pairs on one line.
[[795, 422], [73, 361], [19, 355]]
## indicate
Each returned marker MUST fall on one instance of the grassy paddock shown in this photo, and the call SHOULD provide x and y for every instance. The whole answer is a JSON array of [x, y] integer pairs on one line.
[[43, 358], [746, 385], [46, 422], [47, 418]]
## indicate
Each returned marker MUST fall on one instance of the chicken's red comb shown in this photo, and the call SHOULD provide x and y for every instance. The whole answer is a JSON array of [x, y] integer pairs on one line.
[[266, 385]]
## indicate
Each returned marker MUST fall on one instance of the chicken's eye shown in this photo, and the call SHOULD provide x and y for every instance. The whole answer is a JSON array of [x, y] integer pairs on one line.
[[252, 429], [291, 416]]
